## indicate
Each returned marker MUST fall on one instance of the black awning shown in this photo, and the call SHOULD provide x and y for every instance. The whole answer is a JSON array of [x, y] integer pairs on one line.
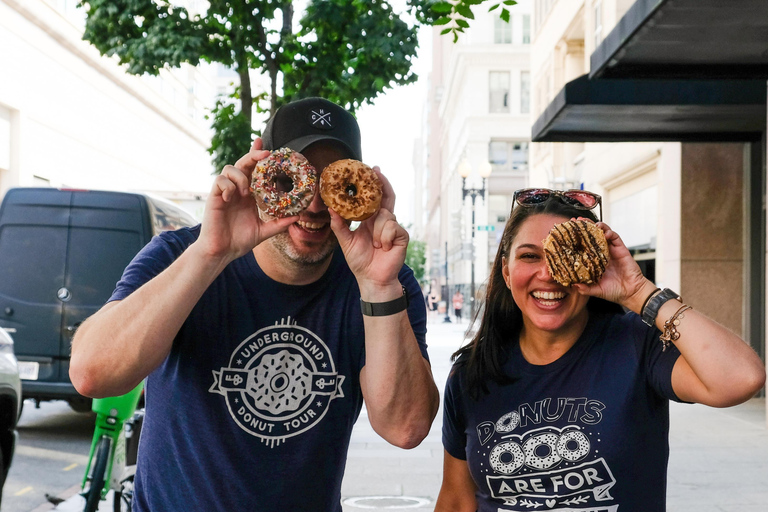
[[623, 110], [686, 39]]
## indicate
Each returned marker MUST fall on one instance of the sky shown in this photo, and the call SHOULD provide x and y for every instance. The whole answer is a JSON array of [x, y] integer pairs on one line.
[[390, 127]]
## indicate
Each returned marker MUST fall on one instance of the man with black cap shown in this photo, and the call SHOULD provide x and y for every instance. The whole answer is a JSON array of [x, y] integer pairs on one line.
[[262, 339]]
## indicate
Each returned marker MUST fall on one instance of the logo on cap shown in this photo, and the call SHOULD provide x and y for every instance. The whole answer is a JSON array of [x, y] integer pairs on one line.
[[320, 118]]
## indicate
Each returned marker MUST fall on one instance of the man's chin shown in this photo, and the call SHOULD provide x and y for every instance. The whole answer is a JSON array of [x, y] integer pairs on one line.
[[304, 255]]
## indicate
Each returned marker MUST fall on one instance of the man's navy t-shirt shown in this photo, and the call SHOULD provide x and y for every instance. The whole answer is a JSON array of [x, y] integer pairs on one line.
[[253, 409]]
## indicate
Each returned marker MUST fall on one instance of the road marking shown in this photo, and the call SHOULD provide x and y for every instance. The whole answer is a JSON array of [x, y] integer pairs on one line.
[[44, 453], [71, 466], [24, 491]]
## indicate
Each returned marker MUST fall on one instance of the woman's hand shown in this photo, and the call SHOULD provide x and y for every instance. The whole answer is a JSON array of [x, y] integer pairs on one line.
[[375, 251], [622, 282], [231, 224]]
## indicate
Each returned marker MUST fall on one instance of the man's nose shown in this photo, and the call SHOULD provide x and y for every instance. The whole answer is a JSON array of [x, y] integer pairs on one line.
[[317, 204]]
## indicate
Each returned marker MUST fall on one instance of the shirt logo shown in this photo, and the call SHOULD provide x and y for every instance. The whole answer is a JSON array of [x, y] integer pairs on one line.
[[279, 382], [320, 118]]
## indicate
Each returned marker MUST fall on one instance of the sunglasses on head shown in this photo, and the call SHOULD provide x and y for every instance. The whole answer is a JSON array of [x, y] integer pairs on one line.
[[581, 199]]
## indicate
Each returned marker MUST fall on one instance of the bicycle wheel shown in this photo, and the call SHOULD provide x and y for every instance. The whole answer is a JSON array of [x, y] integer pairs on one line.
[[98, 475]]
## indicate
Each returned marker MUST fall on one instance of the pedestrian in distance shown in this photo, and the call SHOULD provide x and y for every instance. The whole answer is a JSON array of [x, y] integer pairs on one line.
[[458, 304], [561, 399], [250, 334], [432, 305]]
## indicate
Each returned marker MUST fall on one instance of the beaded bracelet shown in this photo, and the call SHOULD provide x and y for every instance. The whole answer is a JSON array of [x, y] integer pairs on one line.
[[670, 327]]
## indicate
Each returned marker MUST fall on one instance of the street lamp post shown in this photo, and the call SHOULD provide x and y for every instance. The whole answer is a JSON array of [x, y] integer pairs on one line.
[[447, 318], [464, 171]]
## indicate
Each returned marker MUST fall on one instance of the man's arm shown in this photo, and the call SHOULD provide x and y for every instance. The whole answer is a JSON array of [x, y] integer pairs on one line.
[[114, 349], [121, 344], [397, 384]]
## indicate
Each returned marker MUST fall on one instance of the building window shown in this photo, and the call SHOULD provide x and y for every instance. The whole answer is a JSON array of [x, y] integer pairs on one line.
[[525, 92], [5, 138], [508, 156], [499, 92], [502, 31], [598, 23], [526, 29]]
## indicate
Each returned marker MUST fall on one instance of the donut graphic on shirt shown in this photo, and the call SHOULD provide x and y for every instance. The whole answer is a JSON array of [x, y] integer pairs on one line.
[[279, 382]]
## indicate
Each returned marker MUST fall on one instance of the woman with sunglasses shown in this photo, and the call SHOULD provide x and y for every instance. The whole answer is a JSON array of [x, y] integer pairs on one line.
[[561, 399]]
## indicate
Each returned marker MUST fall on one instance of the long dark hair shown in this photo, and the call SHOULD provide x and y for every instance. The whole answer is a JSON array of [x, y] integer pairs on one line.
[[500, 317]]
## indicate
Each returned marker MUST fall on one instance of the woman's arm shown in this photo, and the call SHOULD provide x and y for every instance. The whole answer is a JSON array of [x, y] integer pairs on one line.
[[457, 493], [716, 367]]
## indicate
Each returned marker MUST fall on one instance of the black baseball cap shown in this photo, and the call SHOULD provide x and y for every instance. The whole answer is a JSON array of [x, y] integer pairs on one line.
[[300, 123]]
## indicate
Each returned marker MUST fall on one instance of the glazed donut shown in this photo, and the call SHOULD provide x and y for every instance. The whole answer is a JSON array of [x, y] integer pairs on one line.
[[573, 445], [282, 383], [283, 183], [514, 455], [508, 422], [351, 189], [541, 451]]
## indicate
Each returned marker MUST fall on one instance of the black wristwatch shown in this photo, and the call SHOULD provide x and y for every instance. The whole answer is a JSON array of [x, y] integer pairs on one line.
[[651, 310], [385, 308]]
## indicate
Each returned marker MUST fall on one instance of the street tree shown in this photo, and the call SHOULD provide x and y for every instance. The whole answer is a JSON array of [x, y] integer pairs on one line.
[[348, 51], [416, 258]]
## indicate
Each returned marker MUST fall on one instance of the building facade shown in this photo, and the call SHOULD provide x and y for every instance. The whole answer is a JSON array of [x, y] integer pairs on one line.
[[478, 122], [72, 118]]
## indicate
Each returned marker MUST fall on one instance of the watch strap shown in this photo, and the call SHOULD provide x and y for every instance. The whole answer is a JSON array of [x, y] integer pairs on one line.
[[651, 309], [385, 308]]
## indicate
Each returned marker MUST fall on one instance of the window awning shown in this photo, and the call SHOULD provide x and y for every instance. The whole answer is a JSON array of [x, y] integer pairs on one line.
[[624, 110], [686, 39]]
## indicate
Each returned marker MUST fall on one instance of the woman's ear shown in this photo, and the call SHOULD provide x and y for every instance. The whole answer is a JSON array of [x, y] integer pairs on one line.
[[505, 271]]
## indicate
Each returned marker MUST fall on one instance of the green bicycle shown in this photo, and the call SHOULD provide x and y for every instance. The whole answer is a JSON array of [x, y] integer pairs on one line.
[[107, 458]]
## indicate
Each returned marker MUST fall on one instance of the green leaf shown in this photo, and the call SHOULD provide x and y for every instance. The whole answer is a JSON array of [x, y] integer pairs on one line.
[[504, 15], [510, 2], [442, 21], [445, 31], [442, 7], [494, 7], [465, 11], [462, 23]]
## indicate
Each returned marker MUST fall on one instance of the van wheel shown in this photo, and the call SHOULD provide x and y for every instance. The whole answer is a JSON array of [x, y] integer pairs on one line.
[[2, 474], [80, 404]]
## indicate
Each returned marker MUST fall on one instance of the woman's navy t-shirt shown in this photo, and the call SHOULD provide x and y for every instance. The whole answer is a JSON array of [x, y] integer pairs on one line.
[[587, 432]]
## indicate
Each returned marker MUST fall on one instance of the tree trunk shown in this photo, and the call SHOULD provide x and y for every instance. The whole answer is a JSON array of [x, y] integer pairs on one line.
[[246, 97]]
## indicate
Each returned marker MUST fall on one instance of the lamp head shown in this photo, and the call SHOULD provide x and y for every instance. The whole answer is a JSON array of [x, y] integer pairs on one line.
[[485, 169], [464, 168]]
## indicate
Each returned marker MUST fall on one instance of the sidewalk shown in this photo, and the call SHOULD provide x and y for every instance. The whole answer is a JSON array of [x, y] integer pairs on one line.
[[718, 460]]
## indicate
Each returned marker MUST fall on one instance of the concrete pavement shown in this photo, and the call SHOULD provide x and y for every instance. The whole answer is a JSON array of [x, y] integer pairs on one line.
[[718, 460]]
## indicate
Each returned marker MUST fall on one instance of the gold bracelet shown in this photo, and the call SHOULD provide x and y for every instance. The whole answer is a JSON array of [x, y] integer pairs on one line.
[[670, 327]]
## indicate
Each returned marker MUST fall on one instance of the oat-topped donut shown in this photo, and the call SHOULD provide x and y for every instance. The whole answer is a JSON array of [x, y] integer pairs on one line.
[[576, 252], [284, 183], [351, 189]]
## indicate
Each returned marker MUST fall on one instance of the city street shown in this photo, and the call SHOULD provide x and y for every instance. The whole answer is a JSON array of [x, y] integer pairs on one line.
[[51, 453]]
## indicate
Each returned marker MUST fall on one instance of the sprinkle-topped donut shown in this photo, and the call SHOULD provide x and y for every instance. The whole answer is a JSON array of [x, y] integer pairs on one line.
[[351, 189], [284, 183]]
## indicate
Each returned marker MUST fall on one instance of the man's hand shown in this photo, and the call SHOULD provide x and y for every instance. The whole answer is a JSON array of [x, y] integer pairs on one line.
[[375, 251], [231, 223]]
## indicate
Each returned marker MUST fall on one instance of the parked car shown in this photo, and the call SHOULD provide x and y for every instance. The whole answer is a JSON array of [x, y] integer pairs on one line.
[[61, 254], [10, 404]]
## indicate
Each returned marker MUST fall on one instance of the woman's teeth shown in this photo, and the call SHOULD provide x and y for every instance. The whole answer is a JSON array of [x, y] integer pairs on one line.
[[549, 297]]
